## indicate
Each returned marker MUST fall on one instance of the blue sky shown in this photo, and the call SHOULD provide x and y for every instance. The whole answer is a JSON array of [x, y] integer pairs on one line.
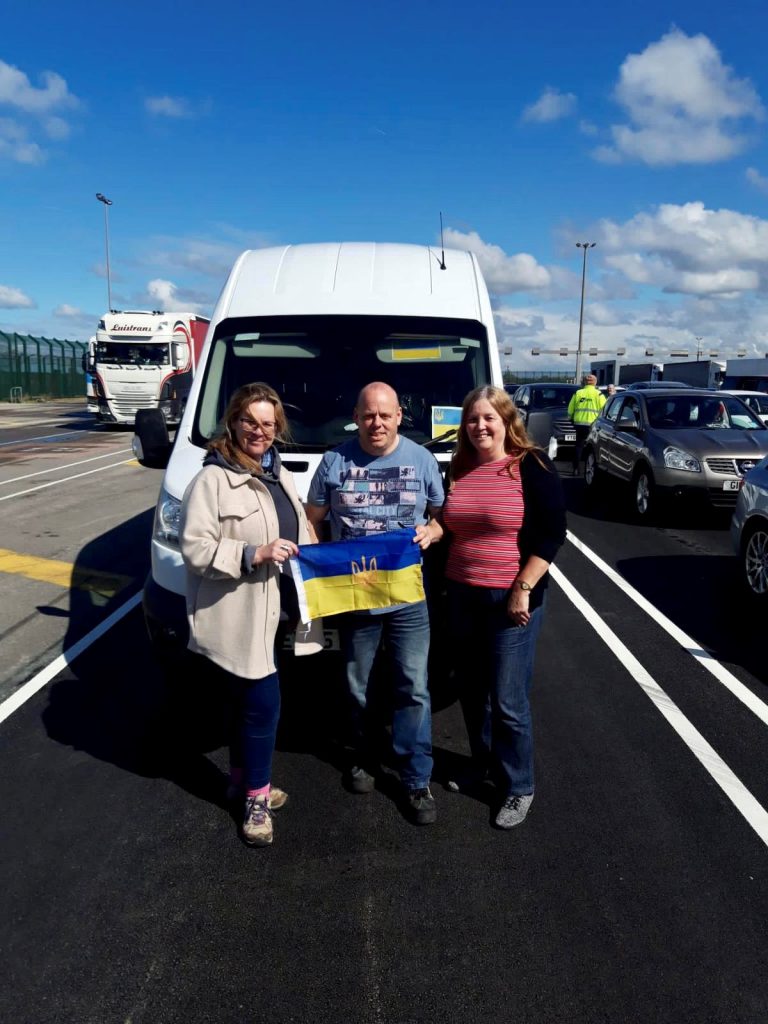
[[215, 129]]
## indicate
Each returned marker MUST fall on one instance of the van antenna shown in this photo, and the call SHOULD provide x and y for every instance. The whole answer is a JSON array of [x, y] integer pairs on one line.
[[442, 246]]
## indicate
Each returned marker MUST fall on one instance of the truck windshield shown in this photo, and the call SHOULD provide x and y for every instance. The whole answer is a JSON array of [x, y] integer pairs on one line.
[[318, 364], [117, 353]]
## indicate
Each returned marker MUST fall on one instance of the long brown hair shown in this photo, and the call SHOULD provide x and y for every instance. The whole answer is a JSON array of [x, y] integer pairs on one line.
[[226, 441], [516, 440]]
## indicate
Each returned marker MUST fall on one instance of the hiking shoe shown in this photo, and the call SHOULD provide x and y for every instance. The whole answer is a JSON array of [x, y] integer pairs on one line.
[[421, 806], [514, 810], [257, 823], [277, 797], [359, 781]]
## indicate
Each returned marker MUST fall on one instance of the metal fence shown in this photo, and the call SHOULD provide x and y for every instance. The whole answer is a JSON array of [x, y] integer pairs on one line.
[[543, 376], [40, 367]]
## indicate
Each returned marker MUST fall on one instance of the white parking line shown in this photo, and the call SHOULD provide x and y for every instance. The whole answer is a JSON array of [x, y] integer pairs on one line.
[[704, 658], [46, 437], [754, 813], [69, 465], [77, 476], [30, 688]]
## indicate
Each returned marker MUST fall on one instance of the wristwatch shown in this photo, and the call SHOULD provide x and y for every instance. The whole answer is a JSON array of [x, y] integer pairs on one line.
[[523, 585]]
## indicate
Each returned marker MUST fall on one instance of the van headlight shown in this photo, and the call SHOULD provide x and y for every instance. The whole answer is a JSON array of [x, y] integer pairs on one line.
[[676, 458], [167, 518]]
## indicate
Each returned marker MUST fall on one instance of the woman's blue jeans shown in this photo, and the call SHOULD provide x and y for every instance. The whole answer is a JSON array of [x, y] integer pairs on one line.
[[255, 714], [495, 664]]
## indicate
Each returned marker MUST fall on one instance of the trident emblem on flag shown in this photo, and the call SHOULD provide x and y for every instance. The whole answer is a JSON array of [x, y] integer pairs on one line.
[[366, 574]]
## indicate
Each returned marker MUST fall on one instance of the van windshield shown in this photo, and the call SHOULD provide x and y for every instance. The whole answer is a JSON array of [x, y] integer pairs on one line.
[[318, 364]]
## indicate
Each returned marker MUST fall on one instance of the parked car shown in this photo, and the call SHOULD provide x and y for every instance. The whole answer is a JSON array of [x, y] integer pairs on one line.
[[749, 532], [647, 385], [681, 442], [756, 400], [544, 409]]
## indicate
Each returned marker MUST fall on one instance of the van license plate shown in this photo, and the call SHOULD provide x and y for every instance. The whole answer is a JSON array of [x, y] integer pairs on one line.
[[731, 485], [570, 437], [330, 640]]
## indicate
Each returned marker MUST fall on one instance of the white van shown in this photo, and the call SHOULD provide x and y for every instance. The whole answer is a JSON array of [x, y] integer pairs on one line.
[[317, 323]]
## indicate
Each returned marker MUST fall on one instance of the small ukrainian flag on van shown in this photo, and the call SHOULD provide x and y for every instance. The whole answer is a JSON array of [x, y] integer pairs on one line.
[[377, 571]]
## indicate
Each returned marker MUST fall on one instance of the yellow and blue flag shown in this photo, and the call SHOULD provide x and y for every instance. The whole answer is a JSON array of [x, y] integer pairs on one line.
[[380, 570]]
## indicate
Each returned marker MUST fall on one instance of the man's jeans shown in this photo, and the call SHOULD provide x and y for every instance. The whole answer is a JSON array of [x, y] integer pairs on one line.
[[405, 631], [495, 660]]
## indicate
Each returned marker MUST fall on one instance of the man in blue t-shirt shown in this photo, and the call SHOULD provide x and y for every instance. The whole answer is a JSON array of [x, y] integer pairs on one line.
[[381, 481]]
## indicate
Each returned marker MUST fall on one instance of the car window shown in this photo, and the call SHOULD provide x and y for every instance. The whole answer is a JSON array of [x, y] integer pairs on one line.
[[611, 408], [544, 397], [630, 410], [715, 412]]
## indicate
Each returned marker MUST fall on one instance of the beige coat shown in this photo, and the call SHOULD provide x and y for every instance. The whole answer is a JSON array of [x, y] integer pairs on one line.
[[233, 617]]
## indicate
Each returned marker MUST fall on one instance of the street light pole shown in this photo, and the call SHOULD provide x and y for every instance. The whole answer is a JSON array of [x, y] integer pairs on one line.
[[107, 203], [584, 246]]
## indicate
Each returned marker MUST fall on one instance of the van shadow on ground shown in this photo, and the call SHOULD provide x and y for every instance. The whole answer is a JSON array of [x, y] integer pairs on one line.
[[118, 705]]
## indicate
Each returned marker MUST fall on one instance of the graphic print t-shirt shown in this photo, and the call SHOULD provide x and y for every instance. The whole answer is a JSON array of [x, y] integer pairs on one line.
[[375, 493]]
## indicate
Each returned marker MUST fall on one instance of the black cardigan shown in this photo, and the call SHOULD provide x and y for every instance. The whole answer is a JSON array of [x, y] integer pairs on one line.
[[544, 523]]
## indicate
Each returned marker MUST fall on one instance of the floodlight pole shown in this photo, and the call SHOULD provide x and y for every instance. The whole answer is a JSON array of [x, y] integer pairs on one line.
[[584, 246], [107, 203]]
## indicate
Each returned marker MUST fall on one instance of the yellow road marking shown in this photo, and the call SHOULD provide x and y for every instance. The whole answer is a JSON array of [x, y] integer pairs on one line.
[[62, 574]]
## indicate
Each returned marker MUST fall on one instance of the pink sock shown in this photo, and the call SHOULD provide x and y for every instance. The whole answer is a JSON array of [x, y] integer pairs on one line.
[[264, 791]]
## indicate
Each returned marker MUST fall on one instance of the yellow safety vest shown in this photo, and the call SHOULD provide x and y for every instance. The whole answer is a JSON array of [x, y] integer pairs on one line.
[[585, 406]]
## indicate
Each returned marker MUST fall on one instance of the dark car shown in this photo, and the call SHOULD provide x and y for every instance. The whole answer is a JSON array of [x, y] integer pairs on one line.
[[647, 385], [544, 409], [675, 442]]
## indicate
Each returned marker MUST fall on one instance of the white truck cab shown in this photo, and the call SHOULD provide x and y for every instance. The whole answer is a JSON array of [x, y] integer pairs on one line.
[[318, 322]]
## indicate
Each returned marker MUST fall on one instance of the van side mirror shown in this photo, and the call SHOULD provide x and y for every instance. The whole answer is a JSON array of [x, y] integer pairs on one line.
[[151, 444]]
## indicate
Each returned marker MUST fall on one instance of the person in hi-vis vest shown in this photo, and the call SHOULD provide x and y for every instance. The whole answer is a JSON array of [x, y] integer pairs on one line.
[[583, 409]]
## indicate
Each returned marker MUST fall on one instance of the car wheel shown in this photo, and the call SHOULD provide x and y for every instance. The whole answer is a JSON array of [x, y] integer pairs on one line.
[[644, 494], [593, 476], [754, 560]]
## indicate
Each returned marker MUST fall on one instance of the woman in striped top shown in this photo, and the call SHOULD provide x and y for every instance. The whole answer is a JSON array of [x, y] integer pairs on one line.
[[505, 516]]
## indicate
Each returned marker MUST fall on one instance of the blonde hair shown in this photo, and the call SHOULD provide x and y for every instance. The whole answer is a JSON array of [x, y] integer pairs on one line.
[[226, 441], [516, 440]]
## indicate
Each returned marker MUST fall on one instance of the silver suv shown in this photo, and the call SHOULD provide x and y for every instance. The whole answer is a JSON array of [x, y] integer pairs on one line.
[[674, 443]]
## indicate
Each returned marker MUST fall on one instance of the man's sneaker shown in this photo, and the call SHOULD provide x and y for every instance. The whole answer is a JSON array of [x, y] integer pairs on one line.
[[359, 781], [257, 823], [421, 806], [277, 797], [514, 810]]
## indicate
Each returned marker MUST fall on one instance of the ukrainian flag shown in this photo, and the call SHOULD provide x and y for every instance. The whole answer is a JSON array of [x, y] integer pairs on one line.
[[377, 571]]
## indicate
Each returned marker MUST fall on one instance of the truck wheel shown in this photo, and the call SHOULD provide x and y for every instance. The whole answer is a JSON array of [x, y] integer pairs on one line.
[[754, 561]]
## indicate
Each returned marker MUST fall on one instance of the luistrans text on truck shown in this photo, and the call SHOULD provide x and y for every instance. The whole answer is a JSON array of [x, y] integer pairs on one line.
[[145, 360]]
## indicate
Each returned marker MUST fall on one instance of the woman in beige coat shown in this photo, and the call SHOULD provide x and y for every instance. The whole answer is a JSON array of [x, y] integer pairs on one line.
[[241, 520]]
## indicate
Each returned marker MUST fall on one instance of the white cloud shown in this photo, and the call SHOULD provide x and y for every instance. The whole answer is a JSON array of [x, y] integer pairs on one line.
[[16, 145], [683, 104], [167, 296], [34, 109], [503, 274], [552, 105], [67, 311], [14, 298], [17, 91], [689, 249], [754, 177], [167, 106]]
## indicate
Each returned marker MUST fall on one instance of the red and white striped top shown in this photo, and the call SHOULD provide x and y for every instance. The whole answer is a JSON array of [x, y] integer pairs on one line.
[[484, 513]]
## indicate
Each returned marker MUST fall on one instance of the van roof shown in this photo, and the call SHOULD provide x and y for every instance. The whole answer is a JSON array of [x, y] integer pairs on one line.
[[355, 278]]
